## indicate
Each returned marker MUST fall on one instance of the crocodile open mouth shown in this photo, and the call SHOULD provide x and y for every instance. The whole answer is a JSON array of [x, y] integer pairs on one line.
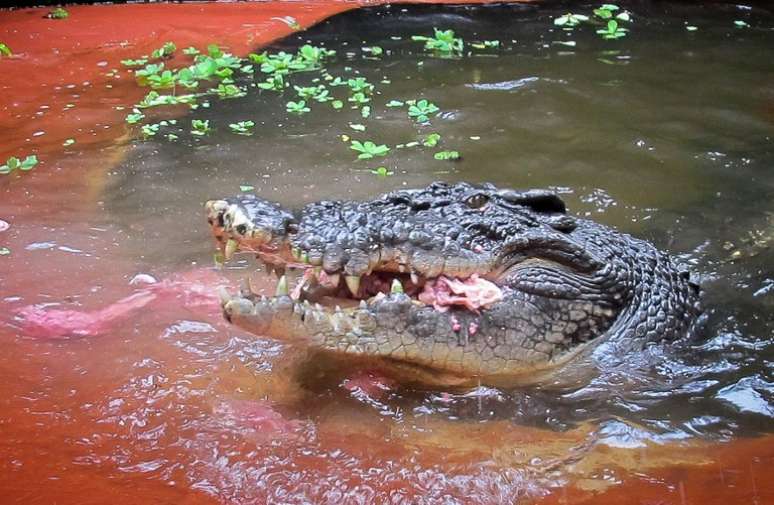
[[303, 277], [303, 282]]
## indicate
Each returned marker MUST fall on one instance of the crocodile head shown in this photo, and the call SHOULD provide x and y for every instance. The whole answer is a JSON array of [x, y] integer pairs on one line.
[[448, 284]]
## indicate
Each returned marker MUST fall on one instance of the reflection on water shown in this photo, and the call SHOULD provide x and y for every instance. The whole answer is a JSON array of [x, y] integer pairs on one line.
[[665, 134]]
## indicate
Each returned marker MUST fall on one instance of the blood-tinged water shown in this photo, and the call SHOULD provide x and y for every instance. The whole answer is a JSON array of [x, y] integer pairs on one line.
[[160, 401]]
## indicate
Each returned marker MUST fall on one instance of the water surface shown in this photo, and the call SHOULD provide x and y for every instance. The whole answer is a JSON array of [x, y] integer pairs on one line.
[[665, 134]]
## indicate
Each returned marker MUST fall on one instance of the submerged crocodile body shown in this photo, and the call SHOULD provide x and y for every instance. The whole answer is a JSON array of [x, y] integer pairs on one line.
[[453, 284]]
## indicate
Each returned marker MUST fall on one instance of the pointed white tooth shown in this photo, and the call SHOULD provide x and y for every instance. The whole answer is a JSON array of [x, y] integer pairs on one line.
[[363, 304], [414, 278], [396, 287], [282, 287], [231, 247], [224, 295], [318, 307], [401, 268], [353, 283], [338, 309]]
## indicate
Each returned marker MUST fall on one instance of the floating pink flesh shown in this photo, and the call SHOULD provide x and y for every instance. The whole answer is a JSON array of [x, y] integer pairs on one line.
[[471, 293], [39, 322]]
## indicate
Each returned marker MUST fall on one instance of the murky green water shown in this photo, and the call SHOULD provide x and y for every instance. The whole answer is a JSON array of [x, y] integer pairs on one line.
[[665, 134]]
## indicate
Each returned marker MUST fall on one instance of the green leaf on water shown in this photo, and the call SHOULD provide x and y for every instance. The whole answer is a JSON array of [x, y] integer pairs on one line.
[[246, 188], [357, 127], [382, 172], [394, 103], [68, 142], [691, 28], [431, 140], [29, 163], [741, 24], [58, 13], [337, 104], [5, 50], [447, 155], [4, 251]]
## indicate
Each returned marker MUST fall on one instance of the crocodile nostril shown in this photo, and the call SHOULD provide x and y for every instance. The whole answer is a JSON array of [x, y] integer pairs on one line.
[[241, 229]]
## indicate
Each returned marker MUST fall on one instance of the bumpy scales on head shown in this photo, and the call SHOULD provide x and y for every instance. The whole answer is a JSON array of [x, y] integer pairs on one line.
[[452, 283]]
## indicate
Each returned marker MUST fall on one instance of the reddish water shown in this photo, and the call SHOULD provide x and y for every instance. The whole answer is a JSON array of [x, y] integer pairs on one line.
[[161, 402]]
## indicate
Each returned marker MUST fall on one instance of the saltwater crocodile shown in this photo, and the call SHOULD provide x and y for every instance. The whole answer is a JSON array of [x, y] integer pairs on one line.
[[453, 284]]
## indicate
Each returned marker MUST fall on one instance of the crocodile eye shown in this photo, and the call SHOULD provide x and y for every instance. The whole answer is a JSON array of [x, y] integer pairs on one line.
[[241, 229], [477, 200]]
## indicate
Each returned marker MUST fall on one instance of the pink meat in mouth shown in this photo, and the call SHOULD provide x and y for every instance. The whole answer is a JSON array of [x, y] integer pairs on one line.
[[471, 293]]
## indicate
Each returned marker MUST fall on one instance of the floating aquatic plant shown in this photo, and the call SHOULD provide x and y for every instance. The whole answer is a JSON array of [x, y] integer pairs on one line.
[[570, 20], [200, 127], [447, 155], [368, 149], [421, 110], [165, 51], [443, 42], [14, 163], [58, 13], [242, 127], [382, 172], [612, 30], [297, 107]]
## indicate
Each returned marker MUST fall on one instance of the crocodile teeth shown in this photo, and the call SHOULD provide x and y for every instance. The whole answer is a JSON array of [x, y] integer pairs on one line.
[[353, 283], [363, 304], [231, 247], [414, 278], [224, 295], [282, 287], [396, 287]]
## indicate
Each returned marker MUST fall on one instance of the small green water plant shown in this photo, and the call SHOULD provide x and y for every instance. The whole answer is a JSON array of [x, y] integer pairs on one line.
[[443, 42], [164, 80], [570, 20], [368, 149], [420, 110], [68, 142], [298, 107], [135, 116], [360, 85], [741, 24], [229, 91], [314, 56], [382, 172], [4, 251], [608, 11], [275, 82], [191, 51], [612, 31], [359, 98], [242, 127], [58, 13], [200, 127], [150, 69], [447, 155], [431, 140], [134, 62], [5, 50], [485, 44], [374, 51], [165, 51], [14, 163]]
